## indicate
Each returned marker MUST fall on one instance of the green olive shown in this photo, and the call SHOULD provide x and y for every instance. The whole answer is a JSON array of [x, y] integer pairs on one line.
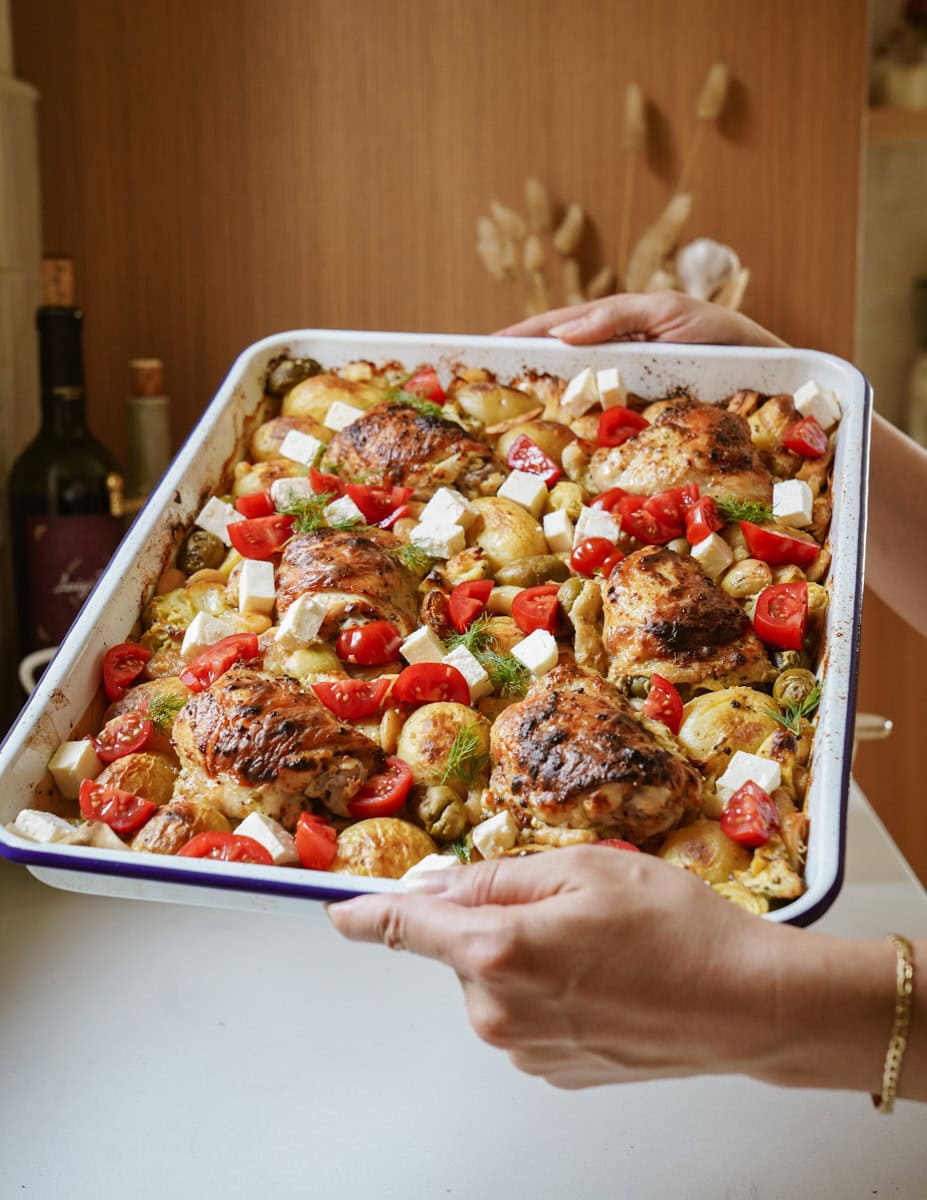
[[200, 551], [286, 373], [793, 687], [568, 592], [788, 660], [639, 687], [532, 572]]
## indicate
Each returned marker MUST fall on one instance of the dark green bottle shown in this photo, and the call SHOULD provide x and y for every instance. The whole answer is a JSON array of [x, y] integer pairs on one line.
[[64, 485]]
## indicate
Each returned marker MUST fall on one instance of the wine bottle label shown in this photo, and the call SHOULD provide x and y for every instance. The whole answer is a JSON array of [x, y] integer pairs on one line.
[[65, 556]]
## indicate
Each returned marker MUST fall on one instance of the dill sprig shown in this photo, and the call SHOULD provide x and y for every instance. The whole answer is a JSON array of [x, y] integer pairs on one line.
[[163, 708], [467, 758], [413, 558], [461, 847], [426, 407], [477, 637], [753, 511], [793, 714], [508, 676], [308, 511]]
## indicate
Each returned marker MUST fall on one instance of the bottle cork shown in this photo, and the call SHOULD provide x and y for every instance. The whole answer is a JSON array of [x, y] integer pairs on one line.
[[57, 281], [147, 376]]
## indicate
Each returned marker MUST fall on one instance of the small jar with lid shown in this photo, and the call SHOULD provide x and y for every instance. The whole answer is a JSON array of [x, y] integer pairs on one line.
[[148, 429]]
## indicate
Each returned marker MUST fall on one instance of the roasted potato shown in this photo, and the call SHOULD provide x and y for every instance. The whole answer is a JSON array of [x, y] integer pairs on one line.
[[532, 572], [491, 403], [268, 438], [717, 724], [172, 826], [551, 436], [258, 477], [428, 736], [384, 847], [505, 531], [706, 851], [150, 776], [314, 397]]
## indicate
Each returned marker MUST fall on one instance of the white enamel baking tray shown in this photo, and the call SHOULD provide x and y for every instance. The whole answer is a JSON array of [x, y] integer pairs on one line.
[[70, 687]]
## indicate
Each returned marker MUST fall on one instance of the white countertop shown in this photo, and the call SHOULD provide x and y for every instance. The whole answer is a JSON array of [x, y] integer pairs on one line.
[[154, 1050]]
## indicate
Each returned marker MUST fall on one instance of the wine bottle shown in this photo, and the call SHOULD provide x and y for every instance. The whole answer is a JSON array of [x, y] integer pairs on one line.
[[64, 484]]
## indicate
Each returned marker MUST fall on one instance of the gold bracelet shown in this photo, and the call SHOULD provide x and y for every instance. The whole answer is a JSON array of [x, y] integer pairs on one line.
[[904, 997]]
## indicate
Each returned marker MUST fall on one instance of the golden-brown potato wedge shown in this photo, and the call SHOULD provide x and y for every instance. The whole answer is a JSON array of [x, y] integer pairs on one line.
[[505, 531], [173, 825], [491, 403], [314, 397], [150, 776], [268, 438], [551, 436], [704, 850], [384, 847]]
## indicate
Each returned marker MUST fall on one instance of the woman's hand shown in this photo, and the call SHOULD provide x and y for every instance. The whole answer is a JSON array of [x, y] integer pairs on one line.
[[646, 317]]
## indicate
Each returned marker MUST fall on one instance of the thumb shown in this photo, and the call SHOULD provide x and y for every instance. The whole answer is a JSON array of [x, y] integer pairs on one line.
[[501, 881]]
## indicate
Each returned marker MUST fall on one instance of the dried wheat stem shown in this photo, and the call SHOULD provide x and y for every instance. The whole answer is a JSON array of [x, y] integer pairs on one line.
[[537, 204], [709, 107], [537, 299], [572, 284], [635, 140], [601, 284], [508, 220], [570, 230]]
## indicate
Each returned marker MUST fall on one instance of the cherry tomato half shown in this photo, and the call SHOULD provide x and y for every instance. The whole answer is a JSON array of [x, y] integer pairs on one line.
[[123, 812], [538, 607], [618, 424], [467, 601], [324, 484], [381, 506], [256, 504], [369, 645], [608, 500], [526, 455], [663, 703], [638, 520], [805, 437], [425, 383], [122, 665], [203, 671], [617, 844], [592, 553], [383, 794], [429, 682], [672, 507], [777, 547], [315, 841], [750, 816], [125, 734], [781, 615], [261, 537], [352, 699], [702, 520], [226, 847]]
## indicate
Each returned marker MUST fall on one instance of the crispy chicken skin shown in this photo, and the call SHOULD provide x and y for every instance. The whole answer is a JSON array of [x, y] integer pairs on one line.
[[686, 442], [663, 614], [269, 745], [397, 444], [575, 753], [359, 571]]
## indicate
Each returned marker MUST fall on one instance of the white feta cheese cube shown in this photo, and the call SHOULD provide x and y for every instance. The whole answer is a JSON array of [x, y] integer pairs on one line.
[[448, 507], [495, 836], [713, 555], [280, 845], [812, 400], [71, 764], [595, 522], [611, 387], [743, 767], [285, 492], [343, 510], [301, 447], [101, 836], [204, 631], [558, 529], [423, 646], [431, 862], [440, 541], [302, 621], [215, 517], [340, 414], [46, 827], [581, 394], [538, 652], [256, 589], [793, 503], [530, 491], [470, 667]]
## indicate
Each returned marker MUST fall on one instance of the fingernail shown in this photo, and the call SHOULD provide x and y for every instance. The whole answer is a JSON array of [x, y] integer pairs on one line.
[[431, 882], [567, 327]]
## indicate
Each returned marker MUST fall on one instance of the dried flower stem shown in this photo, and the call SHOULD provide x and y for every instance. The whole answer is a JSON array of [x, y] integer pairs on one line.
[[635, 140], [708, 109]]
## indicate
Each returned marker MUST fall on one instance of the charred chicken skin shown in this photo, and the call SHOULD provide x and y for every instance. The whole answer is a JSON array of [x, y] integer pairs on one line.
[[663, 614], [575, 753], [254, 741], [397, 444], [686, 442]]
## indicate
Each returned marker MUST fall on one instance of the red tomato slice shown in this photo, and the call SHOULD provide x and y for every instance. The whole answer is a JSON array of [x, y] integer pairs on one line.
[[262, 537], [641, 523], [608, 500], [525, 455], [123, 812], [383, 794], [672, 507], [538, 607], [467, 601], [369, 645], [663, 703], [618, 424], [702, 520], [592, 553], [206, 668], [427, 683], [777, 547], [781, 615], [226, 847], [381, 506], [315, 841], [805, 437], [617, 844], [425, 383], [750, 816], [125, 734], [256, 504], [351, 699], [324, 484], [122, 665]]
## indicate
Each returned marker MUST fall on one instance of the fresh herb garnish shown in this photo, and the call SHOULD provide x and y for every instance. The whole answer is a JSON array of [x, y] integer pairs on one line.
[[308, 512], [753, 511], [163, 708], [477, 638], [413, 558], [793, 714], [467, 757], [461, 847], [508, 676], [425, 407]]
